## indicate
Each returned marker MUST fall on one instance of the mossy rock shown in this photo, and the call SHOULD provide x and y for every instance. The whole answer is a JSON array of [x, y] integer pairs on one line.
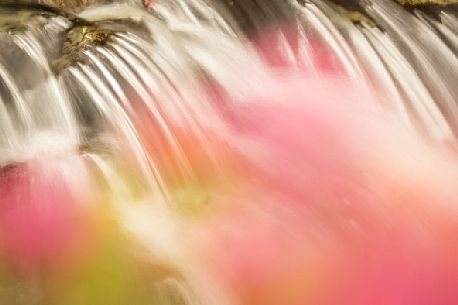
[[79, 39]]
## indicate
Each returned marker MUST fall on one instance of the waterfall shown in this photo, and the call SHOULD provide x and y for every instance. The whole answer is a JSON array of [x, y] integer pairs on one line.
[[131, 122]]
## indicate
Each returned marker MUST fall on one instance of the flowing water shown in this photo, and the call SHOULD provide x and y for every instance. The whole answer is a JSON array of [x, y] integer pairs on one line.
[[124, 98]]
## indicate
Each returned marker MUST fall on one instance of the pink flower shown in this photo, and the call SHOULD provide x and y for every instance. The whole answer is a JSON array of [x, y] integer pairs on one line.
[[149, 4], [42, 219]]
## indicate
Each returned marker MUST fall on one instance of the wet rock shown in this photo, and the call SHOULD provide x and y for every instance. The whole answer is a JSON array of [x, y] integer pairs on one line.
[[356, 13], [17, 23], [69, 5], [20, 21], [353, 11], [81, 37], [425, 2], [356, 16], [78, 39], [252, 16]]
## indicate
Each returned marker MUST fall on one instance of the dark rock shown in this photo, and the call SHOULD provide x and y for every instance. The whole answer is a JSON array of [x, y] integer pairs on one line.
[[68, 5]]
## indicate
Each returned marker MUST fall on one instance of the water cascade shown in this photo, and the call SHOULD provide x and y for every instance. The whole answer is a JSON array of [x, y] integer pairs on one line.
[[123, 128]]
